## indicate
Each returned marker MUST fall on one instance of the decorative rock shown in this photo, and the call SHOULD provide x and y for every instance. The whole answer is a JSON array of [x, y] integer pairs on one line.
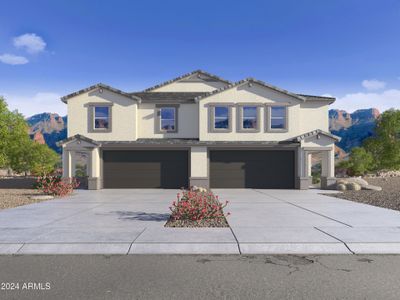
[[341, 187], [372, 188], [352, 186], [357, 180], [388, 173], [199, 189], [41, 197]]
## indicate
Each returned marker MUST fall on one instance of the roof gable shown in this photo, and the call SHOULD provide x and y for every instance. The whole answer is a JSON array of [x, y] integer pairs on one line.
[[195, 76], [100, 86], [80, 140], [317, 132], [250, 82]]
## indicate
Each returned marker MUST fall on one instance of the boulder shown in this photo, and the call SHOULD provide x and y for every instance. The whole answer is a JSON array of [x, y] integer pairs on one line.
[[372, 188], [341, 187], [352, 186], [41, 197], [357, 180]]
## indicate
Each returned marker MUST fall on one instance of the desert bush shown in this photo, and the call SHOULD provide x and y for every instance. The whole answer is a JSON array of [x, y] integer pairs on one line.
[[56, 186], [197, 206], [359, 163]]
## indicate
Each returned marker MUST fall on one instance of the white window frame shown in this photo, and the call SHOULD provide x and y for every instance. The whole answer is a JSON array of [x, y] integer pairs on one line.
[[94, 118], [174, 119], [270, 118]]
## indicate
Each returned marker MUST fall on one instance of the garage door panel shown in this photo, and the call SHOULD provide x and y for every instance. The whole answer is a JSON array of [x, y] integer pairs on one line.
[[145, 169], [252, 169]]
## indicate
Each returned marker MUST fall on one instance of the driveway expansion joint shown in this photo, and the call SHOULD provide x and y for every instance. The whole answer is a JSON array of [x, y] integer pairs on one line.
[[130, 246], [309, 210], [332, 236], [237, 241]]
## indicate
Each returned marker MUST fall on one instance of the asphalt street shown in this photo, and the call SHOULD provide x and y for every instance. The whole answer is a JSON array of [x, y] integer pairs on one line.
[[200, 277]]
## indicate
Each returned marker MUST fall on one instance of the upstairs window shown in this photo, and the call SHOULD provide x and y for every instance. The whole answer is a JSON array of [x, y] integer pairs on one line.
[[249, 117], [101, 117], [168, 119], [221, 117], [278, 118]]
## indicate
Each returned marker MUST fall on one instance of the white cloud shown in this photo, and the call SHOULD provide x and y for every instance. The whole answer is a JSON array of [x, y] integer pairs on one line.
[[31, 42], [12, 59], [40, 102], [373, 84], [383, 101], [326, 95]]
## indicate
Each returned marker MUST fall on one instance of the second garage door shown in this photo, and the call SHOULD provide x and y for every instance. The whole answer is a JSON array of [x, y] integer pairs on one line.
[[145, 169], [264, 169]]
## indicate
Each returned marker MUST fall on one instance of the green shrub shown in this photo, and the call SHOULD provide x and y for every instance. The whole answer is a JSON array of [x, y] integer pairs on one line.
[[360, 162]]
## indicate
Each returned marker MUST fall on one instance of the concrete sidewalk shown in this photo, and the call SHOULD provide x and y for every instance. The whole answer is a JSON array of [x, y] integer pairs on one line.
[[262, 221]]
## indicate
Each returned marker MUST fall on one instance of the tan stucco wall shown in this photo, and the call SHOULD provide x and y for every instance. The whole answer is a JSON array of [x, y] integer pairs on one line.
[[246, 94], [190, 87], [199, 162], [302, 118], [124, 121], [188, 122], [314, 115]]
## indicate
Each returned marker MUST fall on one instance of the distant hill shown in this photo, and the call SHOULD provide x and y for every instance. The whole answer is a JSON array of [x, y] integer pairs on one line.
[[48, 128], [353, 128]]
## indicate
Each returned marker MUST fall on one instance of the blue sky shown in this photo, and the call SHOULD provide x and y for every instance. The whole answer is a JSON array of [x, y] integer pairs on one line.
[[348, 49]]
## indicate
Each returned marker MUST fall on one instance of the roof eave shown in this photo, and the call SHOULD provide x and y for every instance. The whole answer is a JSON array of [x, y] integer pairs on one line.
[[102, 86]]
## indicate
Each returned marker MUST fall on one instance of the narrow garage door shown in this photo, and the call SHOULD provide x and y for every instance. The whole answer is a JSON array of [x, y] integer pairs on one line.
[[252, 169], [145, 169]]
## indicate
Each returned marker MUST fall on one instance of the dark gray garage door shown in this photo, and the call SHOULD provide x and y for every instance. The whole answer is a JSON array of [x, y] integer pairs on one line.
[[145, 169], [252, 169]]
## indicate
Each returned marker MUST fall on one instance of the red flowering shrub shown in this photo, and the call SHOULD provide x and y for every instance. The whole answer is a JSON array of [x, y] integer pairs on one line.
[[202, 208], [56, 186]]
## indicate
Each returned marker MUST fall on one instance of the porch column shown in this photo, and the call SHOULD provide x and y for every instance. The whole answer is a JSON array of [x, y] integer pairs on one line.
[[304, 169], [328, 170], [199, 167], [94, 170], [73, 163], [66, 163]]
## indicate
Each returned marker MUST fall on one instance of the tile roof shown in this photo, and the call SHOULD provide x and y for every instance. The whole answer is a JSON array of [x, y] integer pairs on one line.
[[99, 85], [318, 98], [189, 97], [188, 142], [168, 97]]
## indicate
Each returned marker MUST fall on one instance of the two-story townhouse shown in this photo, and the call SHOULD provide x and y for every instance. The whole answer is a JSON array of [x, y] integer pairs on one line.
[[199, 129]]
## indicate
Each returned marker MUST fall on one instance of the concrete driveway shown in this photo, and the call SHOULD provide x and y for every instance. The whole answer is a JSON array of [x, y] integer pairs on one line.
[[262, 221]]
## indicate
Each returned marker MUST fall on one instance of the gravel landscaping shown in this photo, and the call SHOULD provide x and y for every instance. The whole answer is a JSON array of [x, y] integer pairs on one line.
[[389, 197], [220, 222], [16, 197]]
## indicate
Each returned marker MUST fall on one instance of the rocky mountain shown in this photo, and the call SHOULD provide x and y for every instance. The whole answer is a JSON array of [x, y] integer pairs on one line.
[[354, 127], [48, 128]]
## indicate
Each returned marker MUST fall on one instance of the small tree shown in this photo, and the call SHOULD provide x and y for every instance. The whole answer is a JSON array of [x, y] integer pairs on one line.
[[44, 159], [385, 145], [360, 161], [17, 150]]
